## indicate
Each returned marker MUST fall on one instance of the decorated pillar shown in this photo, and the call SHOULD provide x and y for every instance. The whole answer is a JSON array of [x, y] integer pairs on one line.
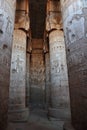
[[7, 14], [28, 73], [74, 14], [59, 80], [17, 97], [47, 78]]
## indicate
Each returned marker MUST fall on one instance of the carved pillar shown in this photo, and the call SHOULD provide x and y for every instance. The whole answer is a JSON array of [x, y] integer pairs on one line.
[[47, 78], [59, 80], [17, 108], [7, 12], [74, 14], [37, 75], [27, 79]]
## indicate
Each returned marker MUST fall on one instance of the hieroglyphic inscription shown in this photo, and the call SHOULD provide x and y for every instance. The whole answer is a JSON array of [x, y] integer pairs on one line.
[[37, 78], [75, 29], [6, 19], [59, 78], [18, 69]]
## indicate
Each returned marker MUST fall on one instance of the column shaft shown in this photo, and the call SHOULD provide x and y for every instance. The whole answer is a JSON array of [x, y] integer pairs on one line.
[[27, 79], [47, 78], [18, 110], [37, 79], [59, 79]]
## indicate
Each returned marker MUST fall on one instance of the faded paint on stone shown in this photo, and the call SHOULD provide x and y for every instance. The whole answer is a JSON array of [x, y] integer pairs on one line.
[[22, 18], [18, 75], [53, 15], [75, 30], [59, 79], [27, 79], [7, 11], [47, 74], [37, 78]]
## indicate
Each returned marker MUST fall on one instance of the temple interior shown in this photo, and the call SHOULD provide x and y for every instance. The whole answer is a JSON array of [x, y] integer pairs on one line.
[[43, 64]]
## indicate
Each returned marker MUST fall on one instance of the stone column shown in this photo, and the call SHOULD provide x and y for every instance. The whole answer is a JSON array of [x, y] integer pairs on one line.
[[37, 75], [74, 14], [7, 12], [17, 107], [27, 79], [37, 79], [59, 80], [47, 78]]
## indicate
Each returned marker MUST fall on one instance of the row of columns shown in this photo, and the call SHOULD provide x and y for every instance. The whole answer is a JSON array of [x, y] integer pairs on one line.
[[74, 15]]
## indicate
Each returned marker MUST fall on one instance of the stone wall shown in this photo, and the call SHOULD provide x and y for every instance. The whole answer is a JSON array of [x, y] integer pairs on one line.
[[7, 11], [75, 29]]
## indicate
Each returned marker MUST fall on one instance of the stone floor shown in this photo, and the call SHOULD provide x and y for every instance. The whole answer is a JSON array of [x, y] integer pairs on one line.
[[37, 121]]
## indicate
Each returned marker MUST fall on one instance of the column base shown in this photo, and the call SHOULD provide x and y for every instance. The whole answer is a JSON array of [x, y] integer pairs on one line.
[[59, 113], [68, 126], [20, 115]]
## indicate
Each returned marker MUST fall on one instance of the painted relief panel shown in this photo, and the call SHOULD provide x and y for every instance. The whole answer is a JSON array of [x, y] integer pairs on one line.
[[59, 78], [18, 70], [37, 79]]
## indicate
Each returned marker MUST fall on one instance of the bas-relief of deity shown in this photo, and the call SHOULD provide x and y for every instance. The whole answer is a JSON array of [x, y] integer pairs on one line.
[[17, 65], [37, 71], [4, 47], [9, 26], [6, 26], [78, 19], [72, 32]]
